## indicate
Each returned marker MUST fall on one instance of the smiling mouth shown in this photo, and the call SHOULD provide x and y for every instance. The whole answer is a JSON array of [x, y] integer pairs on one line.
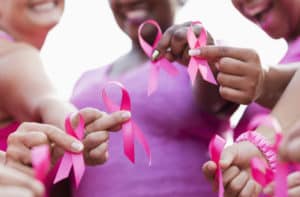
[[44, 6]]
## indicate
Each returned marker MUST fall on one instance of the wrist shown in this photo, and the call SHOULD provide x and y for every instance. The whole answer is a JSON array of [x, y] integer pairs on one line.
[[262, 86], [262, 144]]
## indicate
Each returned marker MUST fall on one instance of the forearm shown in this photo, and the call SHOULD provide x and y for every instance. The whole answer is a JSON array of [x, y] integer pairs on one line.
[[287, 109], [276, 80], [54, 111], [209, 99]]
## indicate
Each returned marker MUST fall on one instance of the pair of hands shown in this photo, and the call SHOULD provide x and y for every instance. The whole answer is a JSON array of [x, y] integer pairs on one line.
[[94, 146], [237, 70], [235, 165]]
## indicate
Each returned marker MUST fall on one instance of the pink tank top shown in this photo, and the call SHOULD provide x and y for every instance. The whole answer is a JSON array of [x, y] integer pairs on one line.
[[5, 131]]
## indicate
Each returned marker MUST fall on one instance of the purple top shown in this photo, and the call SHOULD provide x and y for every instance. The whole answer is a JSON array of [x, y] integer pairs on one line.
[[292, 55], [178, 133]]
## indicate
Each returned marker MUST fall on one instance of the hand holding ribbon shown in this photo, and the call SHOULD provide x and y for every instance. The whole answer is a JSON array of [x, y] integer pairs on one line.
[[155, 65], [130, 128], [216, 147], [263, 173], [196, 62], [69, 159]]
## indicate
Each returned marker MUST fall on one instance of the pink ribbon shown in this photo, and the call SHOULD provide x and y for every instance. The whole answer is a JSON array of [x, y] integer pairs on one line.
[[216, 147], [196, 62], [161, 63], [69, 159], [130, 128], [41, 161], [261, 171]]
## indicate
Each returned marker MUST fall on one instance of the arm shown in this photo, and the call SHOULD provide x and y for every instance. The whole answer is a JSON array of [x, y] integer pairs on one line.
[[277, 79], [29, 94]]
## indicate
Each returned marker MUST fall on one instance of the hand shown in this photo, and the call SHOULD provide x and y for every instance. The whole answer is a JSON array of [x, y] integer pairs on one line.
[[29, 135], [174, 45], [293, 182], [234, 163], [14, 183], [290, 145], [241, 76], [97, 125]]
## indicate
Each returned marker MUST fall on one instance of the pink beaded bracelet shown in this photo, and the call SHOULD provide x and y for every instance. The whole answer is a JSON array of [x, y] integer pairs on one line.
[[262, 144]]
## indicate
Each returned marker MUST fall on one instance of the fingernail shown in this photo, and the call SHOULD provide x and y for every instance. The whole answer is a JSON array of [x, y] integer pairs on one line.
[[40, 188], [155, 55], [194, 52], [77, 146], [224, 163], [126, 115]]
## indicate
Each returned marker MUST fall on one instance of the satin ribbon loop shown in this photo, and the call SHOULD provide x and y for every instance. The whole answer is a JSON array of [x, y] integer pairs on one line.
[[161, 63], [130, 128], [197, 63], [69, 159], [215, 148]]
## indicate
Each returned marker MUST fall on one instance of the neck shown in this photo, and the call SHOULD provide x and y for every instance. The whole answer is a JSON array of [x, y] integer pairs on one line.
[[138, 51]]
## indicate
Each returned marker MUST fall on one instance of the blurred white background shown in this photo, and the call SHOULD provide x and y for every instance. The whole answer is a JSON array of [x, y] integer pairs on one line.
[[88, 37]]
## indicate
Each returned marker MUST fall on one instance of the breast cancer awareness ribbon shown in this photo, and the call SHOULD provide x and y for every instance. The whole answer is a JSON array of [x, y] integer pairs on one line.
[[263, 173], [130, 128], [215, 149], [69, 159], [40, 157], [197, 63], [162, 63], [41, 161]]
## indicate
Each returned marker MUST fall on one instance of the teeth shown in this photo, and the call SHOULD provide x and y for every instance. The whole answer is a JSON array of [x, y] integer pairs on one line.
[[44, 7]]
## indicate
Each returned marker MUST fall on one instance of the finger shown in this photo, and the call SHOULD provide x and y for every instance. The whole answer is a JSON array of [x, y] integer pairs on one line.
[[89, 115], [20, 167], [170, 56], [98, 155], [232, 81], [55, 135], [230, 174], [237, 184], [179, 41], [294, 192], [217, 52], [28, 139], [10, 176], [163, 44], [92, 140], [294, 180], [209, 170], [248, 190], [233, 95], [228, 156], [13, 191], [109, 121], [269, 190], [19, 153], [232, 66]]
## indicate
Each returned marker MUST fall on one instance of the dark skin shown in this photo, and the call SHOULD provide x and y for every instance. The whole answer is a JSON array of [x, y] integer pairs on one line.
[[174, 37], [280, 19]]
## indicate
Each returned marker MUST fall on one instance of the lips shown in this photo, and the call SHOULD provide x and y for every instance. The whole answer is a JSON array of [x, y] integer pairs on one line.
[[43, 6], [136, 16]]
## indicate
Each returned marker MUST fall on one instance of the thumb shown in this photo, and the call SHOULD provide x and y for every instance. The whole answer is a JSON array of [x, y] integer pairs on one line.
[[228, 156]]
